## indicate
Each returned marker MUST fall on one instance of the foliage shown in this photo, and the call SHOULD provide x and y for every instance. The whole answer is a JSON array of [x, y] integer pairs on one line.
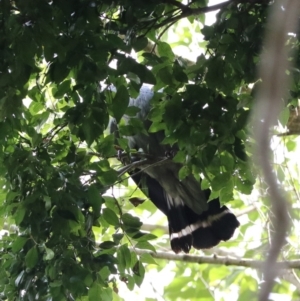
[[66, 239]]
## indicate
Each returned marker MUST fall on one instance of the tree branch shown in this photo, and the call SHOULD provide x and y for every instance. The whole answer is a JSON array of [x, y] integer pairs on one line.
[[149, 162], [220, 260], [274, 64], [176, 3], [187, 12]]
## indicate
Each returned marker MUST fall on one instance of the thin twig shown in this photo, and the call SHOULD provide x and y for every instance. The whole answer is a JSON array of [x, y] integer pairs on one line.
[[54, 132], [146, 163], [245, 211]]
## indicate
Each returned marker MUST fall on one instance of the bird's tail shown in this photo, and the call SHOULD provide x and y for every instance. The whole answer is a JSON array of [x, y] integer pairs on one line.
[[200, 231], [186, 227]]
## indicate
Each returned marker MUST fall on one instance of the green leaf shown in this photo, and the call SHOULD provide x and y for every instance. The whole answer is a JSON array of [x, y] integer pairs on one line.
[[120, 103], [147, 258], [156, 126], [131, 221], [284, 116], [106, 294], [104, 273], [123, 142], [110, 217], [179, 157], [291, 145], [141, 236], [117, 237], [18, 244], [226, 39], [243, 186], [110, 203], [58, 71], [36, 107], [140, 43], [132, 111], [95, 198], [165, 75], [227, 160], [19, 215], [145, 245], [144, 74], [205, 184], [124, 258], [239, 149], [47, 201], [226, 193], [179, 74], [108, 177], [208, 154], [107, 245], [126, 255], [127, 65], [281, 173], [11, 195], [207, 31], [220, 181], [62, 89], [88, 131], [95, 292], [31, 257], [183, 172], [49, 254], [68, 214], [164, 49], [215, 73], [51, 272], [139, 273]]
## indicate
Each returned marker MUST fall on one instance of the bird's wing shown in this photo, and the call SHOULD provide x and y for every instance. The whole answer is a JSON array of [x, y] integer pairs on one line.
[[193, 221]]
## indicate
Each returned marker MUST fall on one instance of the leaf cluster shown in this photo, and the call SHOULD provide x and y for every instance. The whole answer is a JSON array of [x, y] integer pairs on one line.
[[66, 239]]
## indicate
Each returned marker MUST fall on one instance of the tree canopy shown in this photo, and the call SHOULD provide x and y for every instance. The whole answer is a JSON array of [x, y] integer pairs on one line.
[[64, 236]]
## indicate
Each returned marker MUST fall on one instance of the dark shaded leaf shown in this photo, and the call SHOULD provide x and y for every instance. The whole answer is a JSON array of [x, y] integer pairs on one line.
[[135, 201], [31, 257], [120, 103], [164, 49], [220, 181], [131, 221]]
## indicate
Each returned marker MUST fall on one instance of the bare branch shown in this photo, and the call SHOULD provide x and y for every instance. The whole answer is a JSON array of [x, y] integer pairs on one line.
[[274, 63], [220, 260]]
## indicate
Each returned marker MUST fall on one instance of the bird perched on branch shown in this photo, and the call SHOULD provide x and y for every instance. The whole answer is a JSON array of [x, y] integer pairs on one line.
[[193, 221]]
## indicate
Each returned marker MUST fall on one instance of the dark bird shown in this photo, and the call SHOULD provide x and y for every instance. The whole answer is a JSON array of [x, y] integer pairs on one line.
[[193, 221]]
